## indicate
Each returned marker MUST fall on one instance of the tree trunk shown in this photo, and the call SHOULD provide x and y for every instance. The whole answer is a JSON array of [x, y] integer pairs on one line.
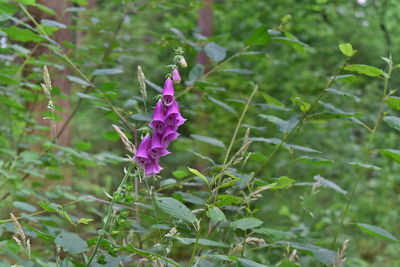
[[58, 77], [205, 25]]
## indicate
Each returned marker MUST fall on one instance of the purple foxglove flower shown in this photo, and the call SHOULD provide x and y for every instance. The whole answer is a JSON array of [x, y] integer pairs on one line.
[[158, 123], [168, 92], [142, 155], [152, 168], [173, 116], [175, 76], [169, 135], [157, 149]]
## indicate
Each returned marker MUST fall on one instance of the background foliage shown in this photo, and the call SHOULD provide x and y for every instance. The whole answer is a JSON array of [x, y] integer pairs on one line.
[[318, 122]]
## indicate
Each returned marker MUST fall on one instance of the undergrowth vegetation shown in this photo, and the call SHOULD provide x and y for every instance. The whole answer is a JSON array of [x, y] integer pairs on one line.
[[121, 146]]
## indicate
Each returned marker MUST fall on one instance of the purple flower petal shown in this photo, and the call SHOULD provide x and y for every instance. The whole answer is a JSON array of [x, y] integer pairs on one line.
[[169, 135], [158, 123], [168, 92], [175, 76], [152, 168], [157, 149], [173, 115], [142, 155]]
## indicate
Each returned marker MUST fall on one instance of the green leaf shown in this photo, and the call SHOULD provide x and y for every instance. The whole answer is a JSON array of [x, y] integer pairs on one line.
[[223, 105], [215, 52], [249, 263], [196, 72], [215, 214], [50, 207], [341, 93], [324, 182], [28, 2], [293, 42], [364, 165], [46, 9], [230, 182], [287, 263], [347, 49], [188, 197], [77, 80], [199, 174], [62, 212], [22, 35], [202, 241], [99, 72], [154, 86], [283, 126], [71, 242], [180, 174], [208, 140], [42, 235], [259, 36], [365, 69], [81, 2], [332, 109], [175, 209], [393, 102], [85, 221], [377, 232], [223, 200], [8, 8], [53, 23], [392, 121], [270, 100], [239, 71], [283, 182], [315, 160], [103, 259], [111, 136], [246, 223], [24, 206], [391, 154], [83, 146], [150, 255], [326, 256], [87, 96], [275, 234], [303, 105]]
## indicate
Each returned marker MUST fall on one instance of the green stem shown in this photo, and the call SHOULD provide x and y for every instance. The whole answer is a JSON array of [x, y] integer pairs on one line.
[[239, 123], [216, 182], [303, 117], [365, 159], [110, 208]]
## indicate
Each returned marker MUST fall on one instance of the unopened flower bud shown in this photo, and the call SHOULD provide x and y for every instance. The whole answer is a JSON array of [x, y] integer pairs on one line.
[[182, 62], [175, 76]]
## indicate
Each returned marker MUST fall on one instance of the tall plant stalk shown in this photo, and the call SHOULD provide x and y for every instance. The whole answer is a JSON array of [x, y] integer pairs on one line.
[[218, 178], [366, 153], [303, 117], [108, 216]]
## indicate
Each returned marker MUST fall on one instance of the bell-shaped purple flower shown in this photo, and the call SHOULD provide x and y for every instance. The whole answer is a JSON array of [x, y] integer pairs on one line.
[[168, 92], [173, 116], [152, 167], [157, 149], [169, 135], [157, 122], [142, 155], [175, 76]]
